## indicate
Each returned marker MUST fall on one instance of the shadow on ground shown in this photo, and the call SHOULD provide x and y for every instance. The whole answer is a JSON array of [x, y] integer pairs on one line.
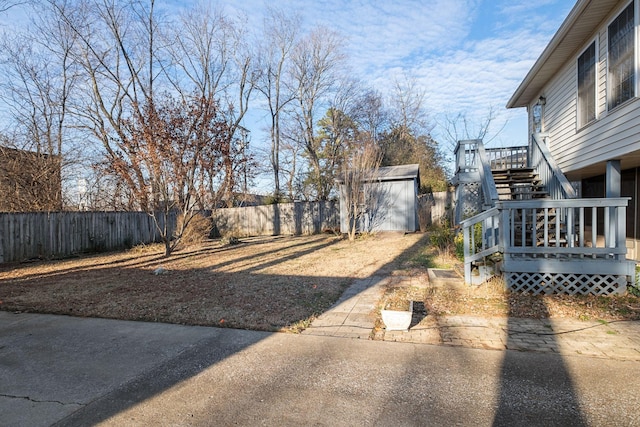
[[523, 398], [206, 289]]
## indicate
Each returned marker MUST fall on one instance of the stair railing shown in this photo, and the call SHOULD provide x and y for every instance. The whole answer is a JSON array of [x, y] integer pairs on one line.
[[481, 238], [508, 157], [475, 187], [480, 232], [533, 234], [551, 177], [489, 189]]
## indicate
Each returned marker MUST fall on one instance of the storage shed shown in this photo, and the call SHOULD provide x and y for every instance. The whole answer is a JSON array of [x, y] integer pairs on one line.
[[396, 207]]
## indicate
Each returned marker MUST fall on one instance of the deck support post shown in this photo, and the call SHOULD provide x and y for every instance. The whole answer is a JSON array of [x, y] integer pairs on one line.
[[613, 186], [614, 182]]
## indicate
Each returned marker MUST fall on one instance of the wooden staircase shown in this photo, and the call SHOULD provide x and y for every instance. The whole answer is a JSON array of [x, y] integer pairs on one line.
[[524, 184], [547, 231], [518, 184]]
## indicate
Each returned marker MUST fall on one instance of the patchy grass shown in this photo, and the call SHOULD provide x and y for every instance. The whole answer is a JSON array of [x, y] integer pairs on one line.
[[266, 283], [270, 284], [493, 300]]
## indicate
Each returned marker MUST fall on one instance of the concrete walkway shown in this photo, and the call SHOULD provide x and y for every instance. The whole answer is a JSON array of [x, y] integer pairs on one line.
[[354, 316]]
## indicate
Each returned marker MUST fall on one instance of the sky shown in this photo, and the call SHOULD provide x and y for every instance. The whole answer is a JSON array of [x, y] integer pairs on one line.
[[467, 55]]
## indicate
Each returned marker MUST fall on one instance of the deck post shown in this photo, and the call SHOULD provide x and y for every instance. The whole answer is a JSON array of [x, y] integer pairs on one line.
[[614, 183], [613, 187], [467, 247]]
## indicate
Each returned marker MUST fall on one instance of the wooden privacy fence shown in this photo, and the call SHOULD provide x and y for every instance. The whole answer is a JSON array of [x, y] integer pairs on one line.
[[435, 209], [25, 236], [283, 218]]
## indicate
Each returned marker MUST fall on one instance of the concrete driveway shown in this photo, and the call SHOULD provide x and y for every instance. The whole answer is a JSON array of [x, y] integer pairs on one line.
[[57, 370]]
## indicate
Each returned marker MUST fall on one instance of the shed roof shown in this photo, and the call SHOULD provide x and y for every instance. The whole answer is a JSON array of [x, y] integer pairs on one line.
[[581, 24], [389, 173], [395, 173]]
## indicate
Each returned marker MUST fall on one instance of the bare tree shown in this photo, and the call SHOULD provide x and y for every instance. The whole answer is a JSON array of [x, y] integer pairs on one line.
[[40, 76], [370, 114], [317, 63], [360, 195], [212, 51], [408, 138], [408, 107], [102, 190], [279, 38], [121, 62], [8, 4], [459, 126], [171, 149], [118, 55]]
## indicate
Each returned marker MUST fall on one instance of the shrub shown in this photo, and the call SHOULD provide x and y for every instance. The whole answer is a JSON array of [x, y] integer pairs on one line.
[[197, 231], [458, 241], [449, 241], [443, 238]]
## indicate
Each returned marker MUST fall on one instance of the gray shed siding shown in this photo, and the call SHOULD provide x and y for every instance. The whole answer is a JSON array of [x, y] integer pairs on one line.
[[396, 211]]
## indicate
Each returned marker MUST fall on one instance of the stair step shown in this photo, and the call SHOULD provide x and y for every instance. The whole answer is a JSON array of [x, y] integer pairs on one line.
[[518, 184], [516, 181], [513, 170]]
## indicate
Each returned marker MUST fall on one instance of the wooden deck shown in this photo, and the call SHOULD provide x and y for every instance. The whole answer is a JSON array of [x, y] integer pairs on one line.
[[542, 244]]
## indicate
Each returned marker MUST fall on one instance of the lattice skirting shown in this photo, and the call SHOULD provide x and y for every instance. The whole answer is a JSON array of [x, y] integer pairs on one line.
[[562, 283], [469, 199]]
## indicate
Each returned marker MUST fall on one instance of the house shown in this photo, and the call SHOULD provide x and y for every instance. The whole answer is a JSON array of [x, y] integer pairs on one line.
[[388, 200], [561, 214], [29, 181], [583, 94]]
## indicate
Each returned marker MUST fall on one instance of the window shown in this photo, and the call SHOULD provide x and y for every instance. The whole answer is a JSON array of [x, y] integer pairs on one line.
[[621, 76], [587, 85]]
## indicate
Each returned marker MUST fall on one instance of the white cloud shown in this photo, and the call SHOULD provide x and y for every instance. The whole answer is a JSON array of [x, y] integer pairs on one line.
[[481, 75], [467, 55], [392, 33]]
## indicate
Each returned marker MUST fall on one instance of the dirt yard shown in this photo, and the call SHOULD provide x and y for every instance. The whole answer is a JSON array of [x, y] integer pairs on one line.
[[264, 283]]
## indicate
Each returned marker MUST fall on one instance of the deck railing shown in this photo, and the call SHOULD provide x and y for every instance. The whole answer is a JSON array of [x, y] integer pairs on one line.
[[472, 158], [481, 238], [534, 239], [560, 229], [507, 157], [466, 156], [580, 229], [551, 177]]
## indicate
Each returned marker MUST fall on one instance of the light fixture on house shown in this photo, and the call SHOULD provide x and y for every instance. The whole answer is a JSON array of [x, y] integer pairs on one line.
[[542, 100]]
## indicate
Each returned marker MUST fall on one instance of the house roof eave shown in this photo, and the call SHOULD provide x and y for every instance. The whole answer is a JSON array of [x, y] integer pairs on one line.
[[581, 24]]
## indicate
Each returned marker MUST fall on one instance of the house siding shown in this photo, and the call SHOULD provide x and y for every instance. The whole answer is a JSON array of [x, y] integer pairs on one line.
[[614, 134], [582, 152]]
